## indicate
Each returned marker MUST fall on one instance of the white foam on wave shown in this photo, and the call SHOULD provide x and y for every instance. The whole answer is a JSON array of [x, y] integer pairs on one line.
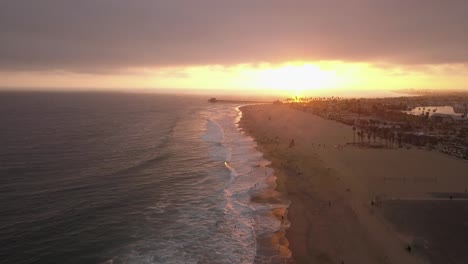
[[211, 218], [214, 133], [249, 176], [159, 207]]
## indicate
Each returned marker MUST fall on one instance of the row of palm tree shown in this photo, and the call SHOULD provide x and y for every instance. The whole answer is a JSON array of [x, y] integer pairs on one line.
[[390, 136], [306, 100]]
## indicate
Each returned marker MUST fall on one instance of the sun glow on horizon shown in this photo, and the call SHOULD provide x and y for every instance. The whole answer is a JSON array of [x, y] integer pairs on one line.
[[295, 78]]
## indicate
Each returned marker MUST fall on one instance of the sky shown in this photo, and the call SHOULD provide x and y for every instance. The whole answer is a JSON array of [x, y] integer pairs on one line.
[[244, 46]]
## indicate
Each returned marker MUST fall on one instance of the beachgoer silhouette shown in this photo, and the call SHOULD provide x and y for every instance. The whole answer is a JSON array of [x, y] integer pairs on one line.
[[408, 248], [292, 143]]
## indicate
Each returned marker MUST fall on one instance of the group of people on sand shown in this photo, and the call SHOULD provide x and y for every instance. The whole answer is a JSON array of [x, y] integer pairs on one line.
[[292, 143]]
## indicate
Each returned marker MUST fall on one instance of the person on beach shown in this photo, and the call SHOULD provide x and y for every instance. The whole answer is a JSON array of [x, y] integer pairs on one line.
[[291, 144]]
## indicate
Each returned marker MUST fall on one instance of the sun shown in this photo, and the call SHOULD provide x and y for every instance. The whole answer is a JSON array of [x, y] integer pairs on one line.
[[295, 79]]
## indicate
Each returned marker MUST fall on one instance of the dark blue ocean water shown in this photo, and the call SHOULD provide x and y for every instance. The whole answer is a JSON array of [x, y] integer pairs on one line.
[[125, 178]]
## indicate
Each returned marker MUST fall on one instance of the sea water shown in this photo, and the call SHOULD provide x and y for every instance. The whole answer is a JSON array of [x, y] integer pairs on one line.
[[125, 178]]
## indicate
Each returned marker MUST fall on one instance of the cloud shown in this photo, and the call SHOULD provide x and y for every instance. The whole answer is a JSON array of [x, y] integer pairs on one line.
[[106, 35]]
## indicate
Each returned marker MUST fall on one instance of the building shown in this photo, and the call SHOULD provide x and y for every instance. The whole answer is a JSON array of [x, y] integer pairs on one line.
[[442, 118], [460, 120]]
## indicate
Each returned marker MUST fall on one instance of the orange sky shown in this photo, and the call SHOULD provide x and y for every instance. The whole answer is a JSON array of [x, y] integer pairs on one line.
[[295, 47], [284, 79]]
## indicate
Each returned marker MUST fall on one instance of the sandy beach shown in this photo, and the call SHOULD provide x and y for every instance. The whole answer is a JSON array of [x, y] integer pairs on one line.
[[360, 205]]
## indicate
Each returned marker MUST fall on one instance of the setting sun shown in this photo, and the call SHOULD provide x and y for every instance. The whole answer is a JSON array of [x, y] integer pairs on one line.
[[217, 131], [295, 78]]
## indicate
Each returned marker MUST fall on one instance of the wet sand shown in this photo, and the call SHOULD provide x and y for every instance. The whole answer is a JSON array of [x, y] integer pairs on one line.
[[339, 193]]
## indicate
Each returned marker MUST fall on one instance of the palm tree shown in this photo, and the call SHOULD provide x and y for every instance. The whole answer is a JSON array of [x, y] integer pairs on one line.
[[385, 136], [361, 136], [391, 137], [354, 134], [399, 135]]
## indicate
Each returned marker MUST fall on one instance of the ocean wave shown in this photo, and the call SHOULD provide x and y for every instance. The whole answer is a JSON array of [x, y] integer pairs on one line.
[[250, 195], [214, 133]]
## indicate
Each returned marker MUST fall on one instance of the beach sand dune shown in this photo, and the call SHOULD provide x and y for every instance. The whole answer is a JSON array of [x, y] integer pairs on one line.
[[343, 197]]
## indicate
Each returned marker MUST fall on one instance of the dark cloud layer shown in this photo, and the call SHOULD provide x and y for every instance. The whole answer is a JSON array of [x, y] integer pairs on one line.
[[110, 34]]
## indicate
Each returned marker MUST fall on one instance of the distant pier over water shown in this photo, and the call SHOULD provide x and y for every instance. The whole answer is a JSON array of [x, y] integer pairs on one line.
[[214, 100]]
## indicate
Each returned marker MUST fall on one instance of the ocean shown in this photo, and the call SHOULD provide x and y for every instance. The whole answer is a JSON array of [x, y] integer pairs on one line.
[[131, 178]]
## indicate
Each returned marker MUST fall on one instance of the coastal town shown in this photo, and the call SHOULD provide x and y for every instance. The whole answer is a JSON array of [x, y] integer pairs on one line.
[[434, 122]]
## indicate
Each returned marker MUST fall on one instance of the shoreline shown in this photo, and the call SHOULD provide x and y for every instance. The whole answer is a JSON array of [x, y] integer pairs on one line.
[[271, 196], [278, 238], [300, 235], [338, 211]]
